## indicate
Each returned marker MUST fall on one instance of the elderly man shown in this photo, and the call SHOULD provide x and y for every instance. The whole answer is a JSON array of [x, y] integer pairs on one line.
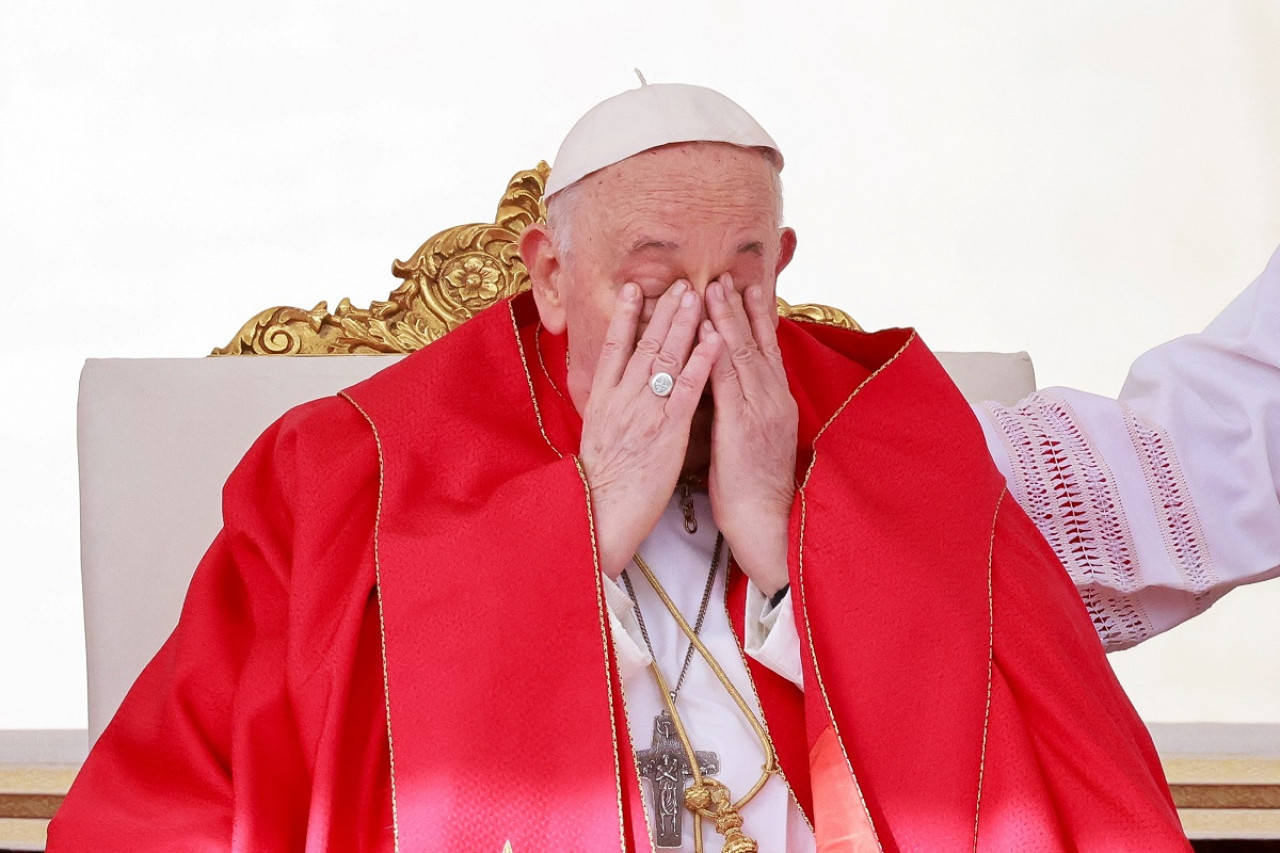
[[628, 564]]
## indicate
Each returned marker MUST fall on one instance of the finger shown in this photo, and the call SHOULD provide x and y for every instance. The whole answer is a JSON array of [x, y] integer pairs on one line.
[[726, 388], [619, 338], [670, 304], [693, 378], [660, 322], [724, 307], [763, 314], [675, 349]]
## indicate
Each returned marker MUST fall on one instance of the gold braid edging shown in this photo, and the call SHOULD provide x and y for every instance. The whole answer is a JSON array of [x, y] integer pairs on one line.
[[991, 662], [382, 622]]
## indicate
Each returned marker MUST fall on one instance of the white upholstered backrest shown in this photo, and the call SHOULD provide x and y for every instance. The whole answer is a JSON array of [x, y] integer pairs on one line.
[[157, 438]]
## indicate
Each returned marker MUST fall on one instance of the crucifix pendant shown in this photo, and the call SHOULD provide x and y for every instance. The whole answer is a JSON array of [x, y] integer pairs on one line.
[[667, 768]]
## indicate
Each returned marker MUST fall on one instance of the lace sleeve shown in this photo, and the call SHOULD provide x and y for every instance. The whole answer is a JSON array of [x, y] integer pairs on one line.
[[1161, 501]]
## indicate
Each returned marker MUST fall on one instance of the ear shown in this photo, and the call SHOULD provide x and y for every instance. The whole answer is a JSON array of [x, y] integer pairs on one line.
[[787, 249], [538, 251]]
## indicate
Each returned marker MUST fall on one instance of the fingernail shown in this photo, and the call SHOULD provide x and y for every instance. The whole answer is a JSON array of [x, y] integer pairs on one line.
[[680, 287], [713, 291], [630, 292]]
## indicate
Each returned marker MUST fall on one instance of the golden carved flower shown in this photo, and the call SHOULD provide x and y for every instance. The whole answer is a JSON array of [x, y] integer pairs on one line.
[[475, 278]]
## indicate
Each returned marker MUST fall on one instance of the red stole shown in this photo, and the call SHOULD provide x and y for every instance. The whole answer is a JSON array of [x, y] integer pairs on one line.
[[506, 714]]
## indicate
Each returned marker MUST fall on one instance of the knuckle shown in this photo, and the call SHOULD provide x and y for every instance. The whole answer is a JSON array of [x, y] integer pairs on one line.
[[746, 352], [647, 346], [667, 361], [686, 382]]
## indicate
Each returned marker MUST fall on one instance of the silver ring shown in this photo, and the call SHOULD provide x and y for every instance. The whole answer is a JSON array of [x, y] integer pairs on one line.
[[661, 384]]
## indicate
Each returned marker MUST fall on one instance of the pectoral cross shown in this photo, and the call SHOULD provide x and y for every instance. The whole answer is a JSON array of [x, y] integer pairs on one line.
[[667, 768]]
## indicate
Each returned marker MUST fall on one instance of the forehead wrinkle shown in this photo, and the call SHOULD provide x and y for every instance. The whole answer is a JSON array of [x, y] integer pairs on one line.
[[713, 176], [661, 219], [674, 194], [692, 193]]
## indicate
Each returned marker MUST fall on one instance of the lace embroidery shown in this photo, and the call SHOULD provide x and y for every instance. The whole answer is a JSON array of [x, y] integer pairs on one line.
[[1179, 523], [1068, 490]]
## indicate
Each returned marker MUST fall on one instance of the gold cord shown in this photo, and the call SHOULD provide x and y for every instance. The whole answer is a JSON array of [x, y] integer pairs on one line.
[[710, 798], [697, 627]]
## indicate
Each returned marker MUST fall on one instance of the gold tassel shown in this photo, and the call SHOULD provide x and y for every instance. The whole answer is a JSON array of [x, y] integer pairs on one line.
[[709, 798]]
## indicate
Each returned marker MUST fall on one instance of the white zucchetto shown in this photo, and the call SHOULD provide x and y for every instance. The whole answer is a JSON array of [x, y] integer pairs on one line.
[[648, 117]]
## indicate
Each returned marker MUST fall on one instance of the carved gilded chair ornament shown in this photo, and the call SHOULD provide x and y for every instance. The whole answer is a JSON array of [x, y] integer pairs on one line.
[[452, 277]]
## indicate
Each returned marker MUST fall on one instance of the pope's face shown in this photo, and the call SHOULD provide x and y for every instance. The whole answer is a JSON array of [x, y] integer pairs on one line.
[[693, 212]]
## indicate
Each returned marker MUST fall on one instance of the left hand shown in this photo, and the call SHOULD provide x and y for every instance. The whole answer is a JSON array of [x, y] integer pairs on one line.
[[753, 434]]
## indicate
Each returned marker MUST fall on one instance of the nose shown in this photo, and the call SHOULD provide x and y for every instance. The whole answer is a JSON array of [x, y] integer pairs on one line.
[[699, 281], [698, 284]]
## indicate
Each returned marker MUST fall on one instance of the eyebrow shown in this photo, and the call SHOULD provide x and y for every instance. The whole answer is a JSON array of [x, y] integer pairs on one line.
[[644, 244], [754, 247]]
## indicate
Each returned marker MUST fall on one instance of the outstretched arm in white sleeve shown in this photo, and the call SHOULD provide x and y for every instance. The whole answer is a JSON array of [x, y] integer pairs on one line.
[[1159, 502]]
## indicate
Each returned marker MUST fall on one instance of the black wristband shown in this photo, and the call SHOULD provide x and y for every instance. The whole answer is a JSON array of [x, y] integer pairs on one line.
[[776, 598]]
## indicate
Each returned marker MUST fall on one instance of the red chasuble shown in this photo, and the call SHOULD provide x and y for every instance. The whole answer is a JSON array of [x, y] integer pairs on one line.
[[399, 639]]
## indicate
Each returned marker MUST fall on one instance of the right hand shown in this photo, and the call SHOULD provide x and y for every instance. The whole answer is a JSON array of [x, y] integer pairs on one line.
[[633, 441]]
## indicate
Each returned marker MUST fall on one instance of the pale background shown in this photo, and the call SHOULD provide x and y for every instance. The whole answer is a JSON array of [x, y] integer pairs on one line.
[[1080, 180]]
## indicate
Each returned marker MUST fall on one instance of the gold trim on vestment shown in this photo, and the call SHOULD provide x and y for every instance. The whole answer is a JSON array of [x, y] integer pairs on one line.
[[991, 659], [600, 603], [813, 459], [542, 363], [608, 671], [626, 716], [804, 610], [809, 631], [635, 763], [751, 682], [382, 623], [813, 655], [533, 396]]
